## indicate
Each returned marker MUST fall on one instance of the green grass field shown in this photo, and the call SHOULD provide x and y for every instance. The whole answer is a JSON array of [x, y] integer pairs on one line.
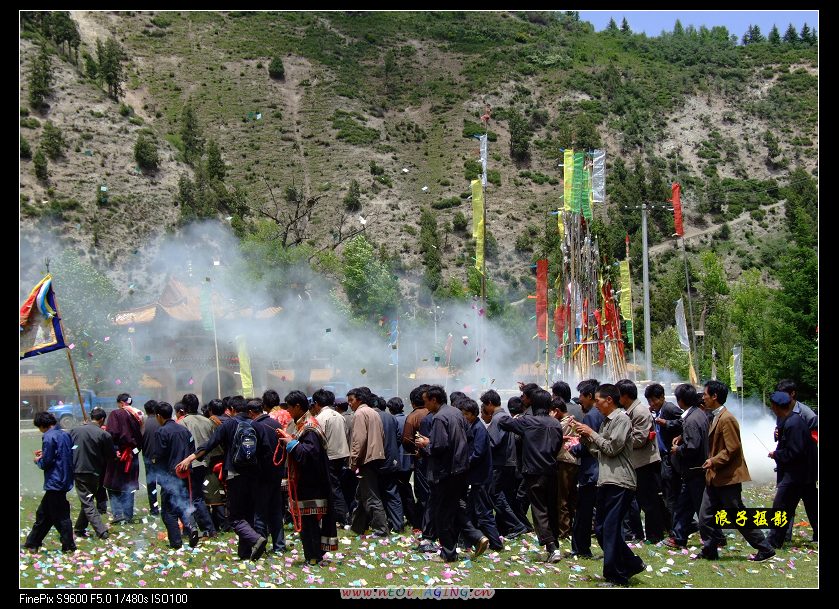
[[138, 556]]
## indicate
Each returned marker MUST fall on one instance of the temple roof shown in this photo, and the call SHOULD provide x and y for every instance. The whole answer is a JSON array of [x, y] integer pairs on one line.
[[182, 302]]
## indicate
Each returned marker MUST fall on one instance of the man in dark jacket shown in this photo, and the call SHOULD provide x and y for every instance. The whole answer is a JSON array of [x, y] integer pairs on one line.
[[150, 426], [56, 459], [795, 456], [479, 527], [174, 443], [242, 483], [587, 477], [422, 489], [93, 449], [447, 462], [389, 468], [541, 437], [688, 452], [271, 500], [668, 424], [503, 447], [406, 466]]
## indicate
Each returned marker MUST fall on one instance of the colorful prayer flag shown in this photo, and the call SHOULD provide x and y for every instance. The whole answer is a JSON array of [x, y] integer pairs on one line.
[[626, 290], [244, 366], [598, 177], [542, 298], [40, 323], [478, 228], [676, 200], [568, 178]]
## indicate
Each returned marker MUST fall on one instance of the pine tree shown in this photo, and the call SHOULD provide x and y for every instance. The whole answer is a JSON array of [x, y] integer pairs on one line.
[[774, 36], [755, 35], [791, 35], [519, 136], [111, 70], [625, 29], [191, 135], [215, 164], [40, 164], [612, 27], [52, 141], [805, 35], [277, 69], [352, 202], [40, 79], [145, 151], [678, 30]]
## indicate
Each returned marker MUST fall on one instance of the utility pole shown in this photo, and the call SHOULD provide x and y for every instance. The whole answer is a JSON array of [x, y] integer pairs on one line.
[[648, 352]]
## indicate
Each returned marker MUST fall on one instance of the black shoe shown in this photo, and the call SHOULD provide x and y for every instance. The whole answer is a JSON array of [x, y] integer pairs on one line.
[[640, 569], [762, 555], [518, 533], [498, 548], [481, 547], [708, 554], [154, 512], [176, 546], [259, 548], [81, 534], [582, 555], [104, 535], [73, 549], [193, 538], [426, 548]]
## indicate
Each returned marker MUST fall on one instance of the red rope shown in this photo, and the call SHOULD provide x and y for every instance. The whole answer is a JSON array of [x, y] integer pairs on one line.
[[293, 506], [127, 456]]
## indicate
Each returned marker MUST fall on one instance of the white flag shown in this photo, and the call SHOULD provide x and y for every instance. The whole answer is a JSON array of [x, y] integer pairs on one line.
[[681, 325]]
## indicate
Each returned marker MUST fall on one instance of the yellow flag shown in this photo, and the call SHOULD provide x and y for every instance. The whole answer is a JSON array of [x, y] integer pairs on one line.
[[245, 366], [568, 177], [626, 290], [478, 223]]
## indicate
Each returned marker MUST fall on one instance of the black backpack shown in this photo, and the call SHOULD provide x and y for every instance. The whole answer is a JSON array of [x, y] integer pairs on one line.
[[245, 445]]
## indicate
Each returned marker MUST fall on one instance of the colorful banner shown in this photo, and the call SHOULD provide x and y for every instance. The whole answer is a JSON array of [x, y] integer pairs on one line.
[[244, 366], [40, 323], [629, 335], [676, 200], [626, 290], [598, 177], [568, 178], [579, 184], [478, 223], [393, 342], [542, 298], [585, 203]]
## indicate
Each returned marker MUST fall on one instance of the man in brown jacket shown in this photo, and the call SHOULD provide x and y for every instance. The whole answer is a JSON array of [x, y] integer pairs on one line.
[[366, 453], [725, 471]]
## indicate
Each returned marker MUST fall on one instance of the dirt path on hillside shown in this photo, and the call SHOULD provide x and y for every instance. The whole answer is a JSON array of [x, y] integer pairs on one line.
[[91, 30], [297, 70], [692, 232]]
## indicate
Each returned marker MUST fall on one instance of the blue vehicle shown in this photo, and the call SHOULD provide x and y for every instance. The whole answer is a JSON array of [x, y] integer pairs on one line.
[[69, 414]]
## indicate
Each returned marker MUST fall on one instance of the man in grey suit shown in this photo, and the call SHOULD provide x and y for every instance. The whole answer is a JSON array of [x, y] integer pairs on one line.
[[93, 448]]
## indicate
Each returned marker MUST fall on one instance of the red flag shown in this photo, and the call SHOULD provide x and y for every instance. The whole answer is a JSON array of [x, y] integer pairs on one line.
[[676, 200], [542, 298]]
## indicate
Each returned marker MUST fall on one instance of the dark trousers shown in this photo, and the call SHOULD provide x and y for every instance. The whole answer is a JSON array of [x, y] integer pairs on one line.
[[648, 494], [726, 498], [53, 511], [810, 496], [349, 485], [503, 479], [566, 496], [541, 489], [619, 563], [688, 503], [479, 508], [151, 485], [671, 487], [787, 497], [122, 504], [406, 496], [370, 511], [86, 487], [175, 506], [391, 500], [339, 502], [422, 488], [581, 538], [201, 511], [632, 526], [242, 494], [520, 502], [310, 537], [270, 509], [102, 500], [445, 501]]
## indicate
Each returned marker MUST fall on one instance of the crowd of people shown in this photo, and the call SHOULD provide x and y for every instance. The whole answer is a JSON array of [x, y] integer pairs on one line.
[[455, 470]]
